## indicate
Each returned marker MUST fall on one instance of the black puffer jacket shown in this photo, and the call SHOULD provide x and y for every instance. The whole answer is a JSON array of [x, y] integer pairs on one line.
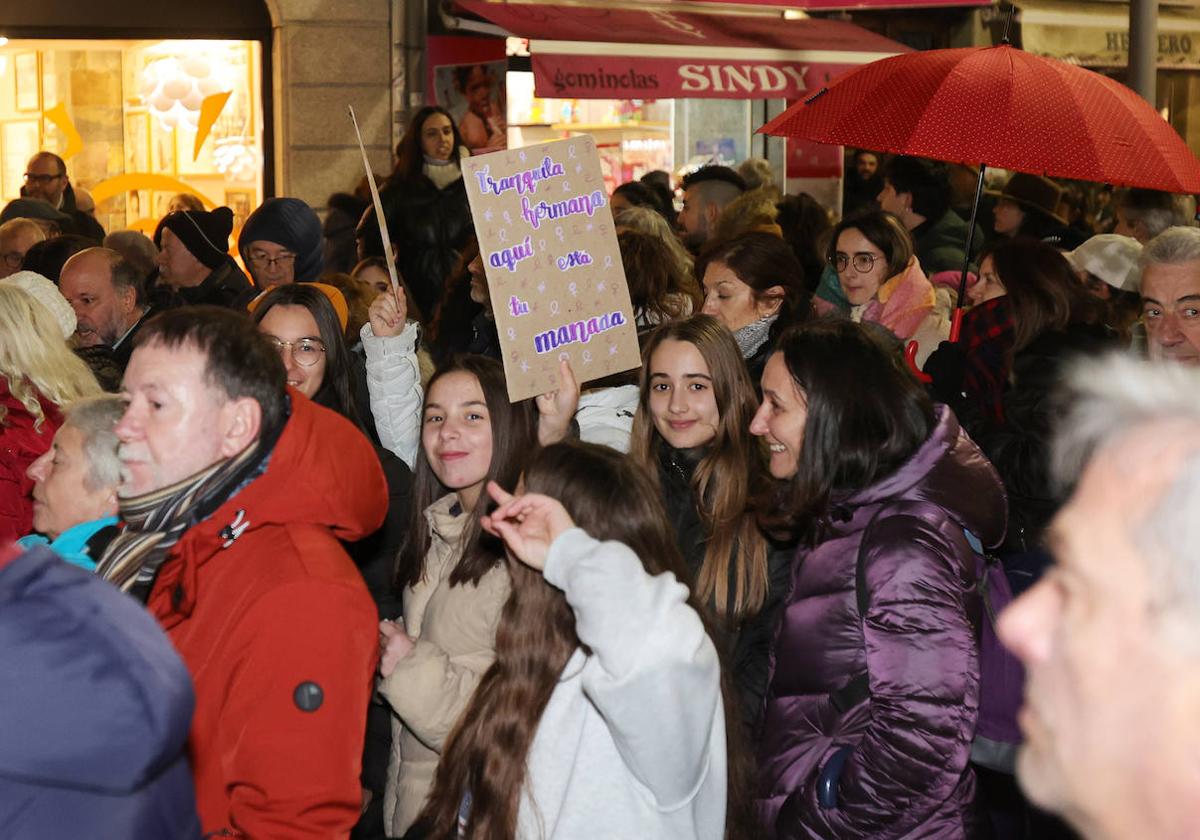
[[225, 286], [1019, 447], [429, 228], [746, 646]]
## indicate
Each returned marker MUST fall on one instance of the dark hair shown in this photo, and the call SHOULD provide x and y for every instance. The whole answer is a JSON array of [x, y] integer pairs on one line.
[[62, 164], [409, 156], [867, 415], [48, 256], [1044, 294], [928, 181], [462, 75], [661, 287], [642, 195], [336, 391], [514, 437], [450, 330], [414, 309], [659, 182], [805, 225], [239, 361], [763, 261], [718, 174], [487, 752], [884, 231]]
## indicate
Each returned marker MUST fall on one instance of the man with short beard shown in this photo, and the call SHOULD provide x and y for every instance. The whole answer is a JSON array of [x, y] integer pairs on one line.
[[108, 296], [235, 494]]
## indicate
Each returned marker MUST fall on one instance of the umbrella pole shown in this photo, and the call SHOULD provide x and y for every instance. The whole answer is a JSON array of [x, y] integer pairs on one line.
[[956, 324]]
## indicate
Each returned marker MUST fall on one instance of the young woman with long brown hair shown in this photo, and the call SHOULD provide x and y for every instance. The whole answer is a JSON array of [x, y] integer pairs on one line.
[[691, 434], [602, 715]]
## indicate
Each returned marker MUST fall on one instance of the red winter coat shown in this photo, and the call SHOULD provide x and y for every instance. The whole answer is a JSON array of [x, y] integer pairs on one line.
[[271, 617], [20, 446]]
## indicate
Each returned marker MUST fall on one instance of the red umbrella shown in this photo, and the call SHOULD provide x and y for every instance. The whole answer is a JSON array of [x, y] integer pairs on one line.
[[998, 106]]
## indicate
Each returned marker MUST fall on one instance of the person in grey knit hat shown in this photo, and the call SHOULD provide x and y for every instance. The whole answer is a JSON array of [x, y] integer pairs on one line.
[[281, 243], [195, 262]]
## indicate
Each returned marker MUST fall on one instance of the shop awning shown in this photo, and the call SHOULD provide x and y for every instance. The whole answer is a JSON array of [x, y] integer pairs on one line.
[[599, 53], [1097, 34]]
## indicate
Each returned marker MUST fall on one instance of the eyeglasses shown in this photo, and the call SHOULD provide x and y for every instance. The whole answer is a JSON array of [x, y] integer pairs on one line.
[[33, 177], [862, 262], [13, 259], [261, 260], [306, 351]]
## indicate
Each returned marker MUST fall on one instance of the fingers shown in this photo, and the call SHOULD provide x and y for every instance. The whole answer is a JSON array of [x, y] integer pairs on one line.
[[498, 493], [566, 376]]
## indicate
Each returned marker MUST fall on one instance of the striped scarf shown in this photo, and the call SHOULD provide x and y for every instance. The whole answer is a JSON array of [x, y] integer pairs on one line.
[[155, 521]]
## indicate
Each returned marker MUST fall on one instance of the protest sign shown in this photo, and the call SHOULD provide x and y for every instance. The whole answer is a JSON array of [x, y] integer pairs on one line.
[[553, 267]]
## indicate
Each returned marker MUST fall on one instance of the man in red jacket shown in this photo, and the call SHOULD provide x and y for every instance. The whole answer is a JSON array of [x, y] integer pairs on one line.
[[236, 492]]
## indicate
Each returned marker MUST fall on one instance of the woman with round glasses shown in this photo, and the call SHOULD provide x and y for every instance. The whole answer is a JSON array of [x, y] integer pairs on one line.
[[882, 281], [281, 243]]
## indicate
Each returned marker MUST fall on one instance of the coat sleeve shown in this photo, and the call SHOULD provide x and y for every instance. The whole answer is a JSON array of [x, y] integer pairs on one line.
[[924, 681], [429, 688], [394, 382], [653, 674], [293, 773]]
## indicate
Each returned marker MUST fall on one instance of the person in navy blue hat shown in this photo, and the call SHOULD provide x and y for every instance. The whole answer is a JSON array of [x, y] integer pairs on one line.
[[93, 731], [281, 243]]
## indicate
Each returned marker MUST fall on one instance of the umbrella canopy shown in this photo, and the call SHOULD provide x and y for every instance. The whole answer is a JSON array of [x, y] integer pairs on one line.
[[1002, 107]]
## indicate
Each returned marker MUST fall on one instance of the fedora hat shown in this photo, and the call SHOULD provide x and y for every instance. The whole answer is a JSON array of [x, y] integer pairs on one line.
[[1033, 192]]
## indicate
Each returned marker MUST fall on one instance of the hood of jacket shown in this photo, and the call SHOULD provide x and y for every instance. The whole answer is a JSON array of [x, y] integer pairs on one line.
[[322, 472], [103, 702], [950, 471]]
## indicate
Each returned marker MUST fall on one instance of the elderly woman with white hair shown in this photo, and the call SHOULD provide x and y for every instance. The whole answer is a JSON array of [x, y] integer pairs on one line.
[[38, 376], [76, 482]]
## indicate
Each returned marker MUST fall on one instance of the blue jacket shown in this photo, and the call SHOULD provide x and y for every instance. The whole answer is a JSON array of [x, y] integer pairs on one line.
[[95, 707], [72, 544]]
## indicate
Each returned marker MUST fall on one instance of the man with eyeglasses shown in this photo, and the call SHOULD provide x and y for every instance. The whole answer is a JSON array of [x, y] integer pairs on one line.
[[195, 261], [16, 237], [281, 243], [46, 178]]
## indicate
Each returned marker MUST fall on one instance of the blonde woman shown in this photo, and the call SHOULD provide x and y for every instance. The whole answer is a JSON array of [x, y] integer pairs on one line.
[[38, 375]]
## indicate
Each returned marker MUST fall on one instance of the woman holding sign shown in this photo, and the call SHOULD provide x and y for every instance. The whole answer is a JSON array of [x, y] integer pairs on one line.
[[692, 435]]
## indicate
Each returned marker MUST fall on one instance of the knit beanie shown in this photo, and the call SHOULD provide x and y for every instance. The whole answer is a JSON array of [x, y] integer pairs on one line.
[[204, 233], [46, 293], [294, 225]]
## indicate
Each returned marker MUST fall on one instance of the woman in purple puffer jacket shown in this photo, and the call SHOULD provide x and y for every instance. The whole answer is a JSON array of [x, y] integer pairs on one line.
[[874, 686]]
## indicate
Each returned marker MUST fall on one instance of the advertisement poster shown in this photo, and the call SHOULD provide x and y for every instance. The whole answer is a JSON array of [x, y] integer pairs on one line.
[[467, 77], [553, 266]]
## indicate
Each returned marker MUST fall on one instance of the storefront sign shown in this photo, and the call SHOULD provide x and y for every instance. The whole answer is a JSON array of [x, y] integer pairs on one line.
[[553, 266], [1097, 34], [561, 76]]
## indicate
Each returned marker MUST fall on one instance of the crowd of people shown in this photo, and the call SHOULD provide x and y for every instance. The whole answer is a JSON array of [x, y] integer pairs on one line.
[[280, 559]]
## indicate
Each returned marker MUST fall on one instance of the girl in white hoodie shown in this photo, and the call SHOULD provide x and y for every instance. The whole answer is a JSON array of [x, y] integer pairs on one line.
[[602, 715]]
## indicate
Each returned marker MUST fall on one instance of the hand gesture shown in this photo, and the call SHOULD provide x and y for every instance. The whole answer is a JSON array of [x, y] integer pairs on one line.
[[394, 645], [556, 408], [528, 524], [389, 313]]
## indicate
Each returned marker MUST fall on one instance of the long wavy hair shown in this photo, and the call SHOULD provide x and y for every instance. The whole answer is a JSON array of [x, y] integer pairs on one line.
[[487, 752], [35, 360], [514, 437], [731, 474], [661, 286], [336, 391], [409, 156]]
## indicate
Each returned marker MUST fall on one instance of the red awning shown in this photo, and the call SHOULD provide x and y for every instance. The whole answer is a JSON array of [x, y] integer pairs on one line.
[[851, 4], [599, 53]]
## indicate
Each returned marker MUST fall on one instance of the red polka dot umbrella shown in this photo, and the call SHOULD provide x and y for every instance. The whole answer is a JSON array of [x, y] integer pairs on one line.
[[998, 106]]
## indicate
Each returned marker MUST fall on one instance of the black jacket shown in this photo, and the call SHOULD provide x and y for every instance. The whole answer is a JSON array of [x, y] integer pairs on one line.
[[747, 646], [225, 286], [429, 228], [1019, 447]]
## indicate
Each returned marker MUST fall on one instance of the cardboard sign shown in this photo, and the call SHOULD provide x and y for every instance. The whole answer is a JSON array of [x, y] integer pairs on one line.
[[553, 267]]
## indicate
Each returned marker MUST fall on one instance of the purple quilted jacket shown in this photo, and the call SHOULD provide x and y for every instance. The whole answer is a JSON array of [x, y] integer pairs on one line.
[[907, 776]]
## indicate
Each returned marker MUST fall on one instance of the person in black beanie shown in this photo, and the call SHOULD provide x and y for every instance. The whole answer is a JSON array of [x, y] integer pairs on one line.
[[281, 243], [194, 260]]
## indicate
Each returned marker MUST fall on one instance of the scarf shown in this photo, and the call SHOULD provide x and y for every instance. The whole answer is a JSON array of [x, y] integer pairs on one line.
[[753, 336], [443, 173], [155, 521]]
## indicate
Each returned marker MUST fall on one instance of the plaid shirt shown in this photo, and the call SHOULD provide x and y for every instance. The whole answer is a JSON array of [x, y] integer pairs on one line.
[[987, 338]]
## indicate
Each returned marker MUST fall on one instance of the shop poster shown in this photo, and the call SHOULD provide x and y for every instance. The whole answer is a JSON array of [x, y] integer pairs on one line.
[[467, 77], [553, 266]]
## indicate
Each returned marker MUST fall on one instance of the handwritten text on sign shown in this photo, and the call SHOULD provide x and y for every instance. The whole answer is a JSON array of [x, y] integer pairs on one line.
[[553, 267]]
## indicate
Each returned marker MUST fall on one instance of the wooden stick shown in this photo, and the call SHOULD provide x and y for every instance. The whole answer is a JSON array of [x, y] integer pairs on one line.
[[379, 219]]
